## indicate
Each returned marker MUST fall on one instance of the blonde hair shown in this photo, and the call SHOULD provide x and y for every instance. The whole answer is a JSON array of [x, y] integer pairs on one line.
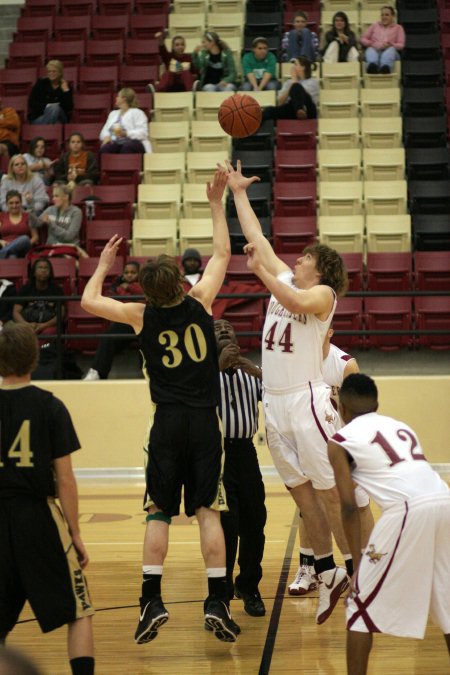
[[130, 97], [10, 173], [65, 189], [58, 65]]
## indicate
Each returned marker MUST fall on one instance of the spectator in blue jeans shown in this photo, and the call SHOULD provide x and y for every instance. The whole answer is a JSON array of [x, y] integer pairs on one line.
[[384, 40], [50, 100]]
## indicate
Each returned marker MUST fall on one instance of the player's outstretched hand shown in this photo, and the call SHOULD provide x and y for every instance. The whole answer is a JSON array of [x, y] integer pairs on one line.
[[109, 253], [215, 190], [82, 554], [236, 180]]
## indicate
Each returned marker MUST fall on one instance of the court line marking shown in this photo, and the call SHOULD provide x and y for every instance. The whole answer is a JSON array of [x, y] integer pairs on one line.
[[172, 543], [272, 630]]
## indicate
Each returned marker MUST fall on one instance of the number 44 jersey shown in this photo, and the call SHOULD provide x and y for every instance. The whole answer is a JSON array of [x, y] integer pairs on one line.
[[387, 460], [180, 354], [292, 345]]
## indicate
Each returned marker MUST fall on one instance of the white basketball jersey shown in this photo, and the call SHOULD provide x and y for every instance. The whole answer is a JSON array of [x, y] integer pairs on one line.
[[292, 344], [333, 371], [388, 461]]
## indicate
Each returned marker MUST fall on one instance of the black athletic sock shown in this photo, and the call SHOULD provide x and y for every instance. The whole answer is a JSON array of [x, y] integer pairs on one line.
[[151, 585], [83, 665], [324, 564], [306, 559], [217, 586], [349, 566]]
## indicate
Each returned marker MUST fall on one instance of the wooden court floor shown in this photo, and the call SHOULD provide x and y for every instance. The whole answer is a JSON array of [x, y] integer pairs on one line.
[[286, 640]]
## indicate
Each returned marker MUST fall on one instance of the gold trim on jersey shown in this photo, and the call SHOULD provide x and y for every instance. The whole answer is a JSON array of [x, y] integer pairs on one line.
[[220, 500]]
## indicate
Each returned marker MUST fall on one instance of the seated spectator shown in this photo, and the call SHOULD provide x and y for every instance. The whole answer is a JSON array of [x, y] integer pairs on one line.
[[214, 61], [63, 219], [126, 129], [259, 67], [37, 161], [31, 186], [179, 74], [300, 41], [340, 41], [18, 231], [298, 97], [50, 100], [125, 285], [9, 131], [7, 290], [39, 312], [384, 40], [191, 263], [77, 165]]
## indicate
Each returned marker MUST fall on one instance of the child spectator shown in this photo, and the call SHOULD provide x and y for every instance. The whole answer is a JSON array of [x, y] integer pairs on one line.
[[340, 41], [37, 161], [300, 41], [298, 97], [259, 67], [77, 165], [214, 61], [178, 74]]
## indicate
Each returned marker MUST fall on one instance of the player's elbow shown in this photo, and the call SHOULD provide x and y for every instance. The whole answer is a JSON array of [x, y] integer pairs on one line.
[[348, 509]]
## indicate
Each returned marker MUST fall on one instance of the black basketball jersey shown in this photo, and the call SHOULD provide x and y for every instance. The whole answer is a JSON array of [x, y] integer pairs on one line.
[[35, 429], [180, 355]]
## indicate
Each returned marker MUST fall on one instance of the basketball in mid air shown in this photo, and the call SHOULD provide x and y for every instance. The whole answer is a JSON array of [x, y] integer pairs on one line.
[[240, 115]]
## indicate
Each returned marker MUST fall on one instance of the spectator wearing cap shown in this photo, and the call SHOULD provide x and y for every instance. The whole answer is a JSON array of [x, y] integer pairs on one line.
[[191, 263], [259, 67]]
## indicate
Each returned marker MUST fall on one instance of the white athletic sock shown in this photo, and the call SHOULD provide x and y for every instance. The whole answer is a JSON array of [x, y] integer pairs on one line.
[[152, 569], [213, 572]]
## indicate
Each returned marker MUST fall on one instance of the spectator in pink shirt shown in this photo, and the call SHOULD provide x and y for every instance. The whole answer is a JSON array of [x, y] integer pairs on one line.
[[383, 41]]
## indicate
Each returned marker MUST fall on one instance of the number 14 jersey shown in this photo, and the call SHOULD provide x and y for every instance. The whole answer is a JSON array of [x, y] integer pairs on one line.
[[387, 460], [292, 344]]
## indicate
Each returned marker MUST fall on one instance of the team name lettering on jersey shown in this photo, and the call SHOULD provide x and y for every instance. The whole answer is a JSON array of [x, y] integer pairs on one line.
[[278, 310], [80, 588]]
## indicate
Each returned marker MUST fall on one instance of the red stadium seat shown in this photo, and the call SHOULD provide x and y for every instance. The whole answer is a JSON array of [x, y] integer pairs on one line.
[[72, 27], [296, 134], [121, 169], [432, 270], [433, 313], [99, 232], [78, 7], [142, 52], [152, 6], [19, 104], [354, 265], [247, 316], [98, 79], [90, 132], [115, 201], [65, 273], [389, 271], [40, 8], [70, 52], [87, 267], [104, 53], [237, 271], [348, 316], [114, 7], [80, 321], [26, 54], [292, 234], [293, 199], [144, 26], [295, 165], [389, 313], [17, 81], [34, 29], [88, 108], [138, 77], [15, 270], [53, 134], [105, 27]]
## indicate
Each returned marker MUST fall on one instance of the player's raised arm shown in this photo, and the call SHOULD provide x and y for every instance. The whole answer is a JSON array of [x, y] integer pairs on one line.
[[209, 285], [250, 224], [95, 302]]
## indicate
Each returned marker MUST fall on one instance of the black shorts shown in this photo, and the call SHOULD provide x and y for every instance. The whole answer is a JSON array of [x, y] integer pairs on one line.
[[38, 563], [185, 450]]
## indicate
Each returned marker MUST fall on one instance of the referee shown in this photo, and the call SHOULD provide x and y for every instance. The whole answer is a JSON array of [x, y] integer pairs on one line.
[[240, 384]]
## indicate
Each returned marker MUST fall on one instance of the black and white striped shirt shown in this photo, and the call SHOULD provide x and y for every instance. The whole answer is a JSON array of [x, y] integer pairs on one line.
[[238, 406]]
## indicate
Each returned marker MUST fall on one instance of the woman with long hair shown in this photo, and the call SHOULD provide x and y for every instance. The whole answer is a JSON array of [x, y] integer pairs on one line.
[[38, 310], [299, 96], [179, 75], [37, 161], [126, 129], [18, 231], [50, 100], [77, 165], [63, 219], [214, 61], [30, 185], [340, 41]]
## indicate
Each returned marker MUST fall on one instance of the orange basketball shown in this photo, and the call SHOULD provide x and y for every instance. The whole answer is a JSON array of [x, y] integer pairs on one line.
[[240, 115]]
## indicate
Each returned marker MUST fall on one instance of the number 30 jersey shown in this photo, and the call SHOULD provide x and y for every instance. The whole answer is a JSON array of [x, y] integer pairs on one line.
[[180, 354], [387, 460], [292, 345]]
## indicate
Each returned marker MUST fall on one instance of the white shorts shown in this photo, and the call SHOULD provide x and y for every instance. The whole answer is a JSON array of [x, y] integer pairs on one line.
[[405, 571], [298, 426]]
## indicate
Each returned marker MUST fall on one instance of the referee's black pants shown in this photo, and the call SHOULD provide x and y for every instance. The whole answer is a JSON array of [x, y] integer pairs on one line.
[[247, 514]]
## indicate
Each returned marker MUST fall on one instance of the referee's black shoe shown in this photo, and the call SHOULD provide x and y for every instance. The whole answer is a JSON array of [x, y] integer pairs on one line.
[[253, 603], [152, 616], [218, 617]]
